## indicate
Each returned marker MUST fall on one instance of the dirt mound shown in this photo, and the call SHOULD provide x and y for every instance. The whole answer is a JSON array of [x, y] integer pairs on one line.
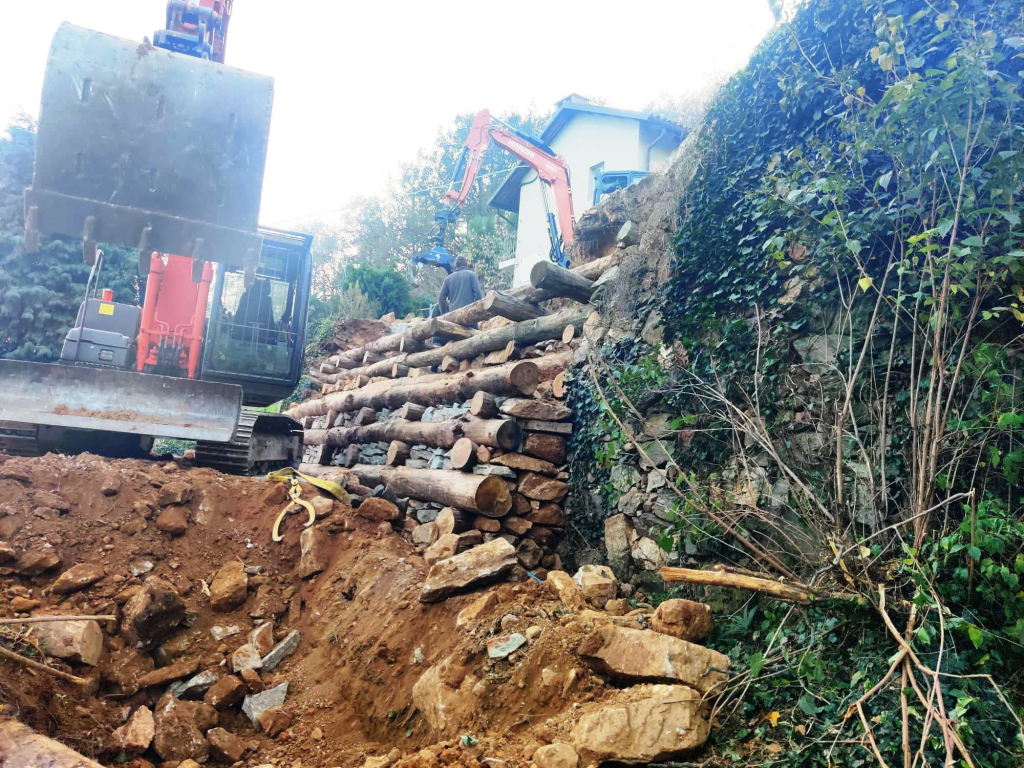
[[350, 332], [372, 671]]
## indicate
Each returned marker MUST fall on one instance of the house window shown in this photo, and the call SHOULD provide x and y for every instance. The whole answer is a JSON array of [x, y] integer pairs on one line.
[[606, 182]]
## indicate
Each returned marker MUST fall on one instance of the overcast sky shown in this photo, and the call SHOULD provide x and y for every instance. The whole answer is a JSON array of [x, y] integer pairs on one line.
[[361, 86]]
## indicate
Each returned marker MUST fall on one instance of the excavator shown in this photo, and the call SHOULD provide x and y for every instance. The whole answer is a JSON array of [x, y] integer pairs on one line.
[[161, 147], [550, 168]]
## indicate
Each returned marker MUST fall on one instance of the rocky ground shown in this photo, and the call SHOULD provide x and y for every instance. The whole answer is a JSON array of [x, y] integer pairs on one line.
[[339, 646]]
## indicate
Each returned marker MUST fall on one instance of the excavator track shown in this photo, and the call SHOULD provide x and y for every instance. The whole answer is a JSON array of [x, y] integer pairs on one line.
[[262, 443]]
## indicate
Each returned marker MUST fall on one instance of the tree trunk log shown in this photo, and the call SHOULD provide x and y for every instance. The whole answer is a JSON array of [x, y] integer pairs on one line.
[[526, 332], [398, 453], [364, 417], [446, 329], [463, 453], [503, 434], [451, 520], [498, 304], [515, 379], [351, 456], [736, 581], [558, 386], [21, 746], [411, 412], [484, 405], [448, 364], [561, 282], [487, 495]]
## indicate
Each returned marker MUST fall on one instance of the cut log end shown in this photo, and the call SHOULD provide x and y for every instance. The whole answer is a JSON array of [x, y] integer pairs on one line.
[[398, 453], [463, 454], [558, 386], [525, 376], [510, 435], [483, 405], [568, 334], [493, 498]]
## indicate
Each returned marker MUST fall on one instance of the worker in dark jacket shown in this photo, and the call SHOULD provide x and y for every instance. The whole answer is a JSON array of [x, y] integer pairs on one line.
[[460, 288]]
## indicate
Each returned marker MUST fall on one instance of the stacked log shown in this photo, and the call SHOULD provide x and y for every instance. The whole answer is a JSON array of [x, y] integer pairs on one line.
[[462, 425]]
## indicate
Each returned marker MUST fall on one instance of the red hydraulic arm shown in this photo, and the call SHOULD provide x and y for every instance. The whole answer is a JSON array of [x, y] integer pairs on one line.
[[552, 169]]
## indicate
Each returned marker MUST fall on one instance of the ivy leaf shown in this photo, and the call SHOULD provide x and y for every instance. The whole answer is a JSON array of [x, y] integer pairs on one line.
[[806, 703], [773, 717], [756, 663], [1011, 216], [884, 179], [976, 637], [944, 226], [974, 553], [865, 283], [1015, 42], [854, 246]]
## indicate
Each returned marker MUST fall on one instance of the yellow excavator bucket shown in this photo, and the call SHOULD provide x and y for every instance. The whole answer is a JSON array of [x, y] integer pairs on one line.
[[145, 148]]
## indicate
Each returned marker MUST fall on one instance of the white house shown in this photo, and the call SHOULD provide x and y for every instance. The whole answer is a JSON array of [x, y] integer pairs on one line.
[[605, 148]]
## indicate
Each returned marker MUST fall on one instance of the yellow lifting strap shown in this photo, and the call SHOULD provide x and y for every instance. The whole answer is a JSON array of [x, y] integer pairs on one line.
[[290, 475]]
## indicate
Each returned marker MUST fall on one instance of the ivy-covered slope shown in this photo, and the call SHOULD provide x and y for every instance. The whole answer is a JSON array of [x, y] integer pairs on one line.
[[826, 385]]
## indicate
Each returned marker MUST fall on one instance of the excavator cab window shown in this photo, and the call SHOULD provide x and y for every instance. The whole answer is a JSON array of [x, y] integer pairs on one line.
[[256, 334]]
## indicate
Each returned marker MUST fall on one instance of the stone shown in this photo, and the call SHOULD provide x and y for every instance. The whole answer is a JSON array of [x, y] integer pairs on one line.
[[245, 657], [656, 480], [597, 583], [818, 352], [274, 721], [623, 477], [445, 690], [487, 524], [551, 448], [124, 667], [315, 552], [80, 641], [37, 563], [446, 546], [226, 692], [529, 554], [617, 607], [77, 577], [51, 500], [478, 565], [225, 747], [267, 604], [173, 521], [517, 525], [685, 619], [177, 732], [255, 704], [648, 554], [653, 331], [657, 454], [282, 651], [174, 492], [424, 535], [322, 506], [547, 514], [135, 736], [556, 755], [221, 632], [8, 554], [619, 537], [378, 510], [521, 462], [24, 604], [565, 589], [469, 539], [643, 655], [262, 638], [628, 234], [229, 587], [196, 686], [500, 647], [643, 724], [472, 612], [168, 674], [152, 612], [252, 680], [534, 409], [535, 486]]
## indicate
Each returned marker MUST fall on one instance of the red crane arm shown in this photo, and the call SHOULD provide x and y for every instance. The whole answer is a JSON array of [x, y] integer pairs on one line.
[[552, 169]]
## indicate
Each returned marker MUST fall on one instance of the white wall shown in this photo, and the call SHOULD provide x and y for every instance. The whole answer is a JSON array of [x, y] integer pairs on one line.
[[585, 141]]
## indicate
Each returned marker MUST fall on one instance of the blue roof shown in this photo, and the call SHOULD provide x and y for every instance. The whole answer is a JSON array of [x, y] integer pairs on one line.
[[506, 197]]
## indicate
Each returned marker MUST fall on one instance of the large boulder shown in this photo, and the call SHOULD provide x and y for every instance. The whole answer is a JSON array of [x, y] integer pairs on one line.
[[230, 587], [315, 552], [557, 755], [77, 577], [135, 736], [597, 583], [646, 723], [619, 536], [378, 510], [478, 565], [225, 747], [642, 655], [685, 619], [152, 613], [565, 589], [444, 694], [178, 729], [80, 641], [37, 562], [225, 693]]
